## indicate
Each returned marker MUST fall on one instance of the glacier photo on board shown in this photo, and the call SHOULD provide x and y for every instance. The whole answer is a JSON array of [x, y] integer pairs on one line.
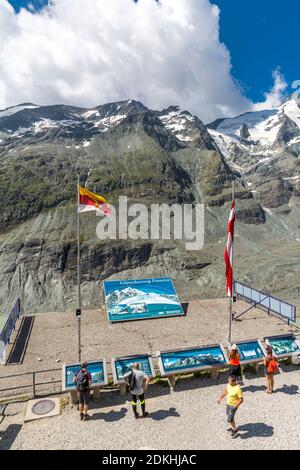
[[137, 299]]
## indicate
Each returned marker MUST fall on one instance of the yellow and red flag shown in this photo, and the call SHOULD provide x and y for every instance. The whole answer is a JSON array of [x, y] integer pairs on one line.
[[89, 201]]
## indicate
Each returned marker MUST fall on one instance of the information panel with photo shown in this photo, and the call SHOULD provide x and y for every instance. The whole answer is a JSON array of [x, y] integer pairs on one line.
[[250, 351], [141, 299], [97, 369], [122, 365], [284, 345], [192, 359]]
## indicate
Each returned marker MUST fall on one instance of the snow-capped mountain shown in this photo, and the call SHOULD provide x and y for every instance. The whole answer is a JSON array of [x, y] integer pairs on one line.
[[263, 149]]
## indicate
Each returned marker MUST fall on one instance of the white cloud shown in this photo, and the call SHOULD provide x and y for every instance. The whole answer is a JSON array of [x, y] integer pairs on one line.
[[92, 52], [277, 94]]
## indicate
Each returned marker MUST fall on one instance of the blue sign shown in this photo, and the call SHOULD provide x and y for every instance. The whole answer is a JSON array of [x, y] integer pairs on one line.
[[192, 359], [140, 299], [283, 345], [97, 370], [122, 365], [250, 351]]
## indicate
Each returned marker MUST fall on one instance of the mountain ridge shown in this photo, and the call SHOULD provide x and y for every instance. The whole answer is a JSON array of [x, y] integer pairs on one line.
[[150, 156]]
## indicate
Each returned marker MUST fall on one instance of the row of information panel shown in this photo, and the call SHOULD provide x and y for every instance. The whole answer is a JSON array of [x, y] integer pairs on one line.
[[182, 360]]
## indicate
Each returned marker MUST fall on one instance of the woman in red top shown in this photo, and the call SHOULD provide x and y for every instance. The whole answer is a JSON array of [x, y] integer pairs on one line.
[[271, 367], [234, 360]]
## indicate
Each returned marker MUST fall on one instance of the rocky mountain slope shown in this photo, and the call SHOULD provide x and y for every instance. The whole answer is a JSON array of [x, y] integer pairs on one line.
[[150, 156]]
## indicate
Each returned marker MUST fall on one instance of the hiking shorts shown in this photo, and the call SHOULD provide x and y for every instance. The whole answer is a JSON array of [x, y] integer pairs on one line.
[[230, 411], [84, 397], [235, 370]]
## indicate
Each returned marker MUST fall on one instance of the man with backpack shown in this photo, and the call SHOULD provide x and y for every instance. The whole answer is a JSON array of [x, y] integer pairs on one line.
[[83, 381], [137, 382]]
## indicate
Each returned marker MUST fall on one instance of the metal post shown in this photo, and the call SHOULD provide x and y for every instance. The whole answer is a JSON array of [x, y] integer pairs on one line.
[[78, 271], [230, 298], [33, 384], [230, 319]]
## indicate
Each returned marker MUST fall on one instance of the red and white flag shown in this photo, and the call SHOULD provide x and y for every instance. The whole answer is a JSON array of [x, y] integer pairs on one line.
[[228, 252]]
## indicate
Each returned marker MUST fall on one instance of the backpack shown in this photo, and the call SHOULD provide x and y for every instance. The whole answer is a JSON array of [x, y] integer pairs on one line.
[[82, 381], [273, 366], [131, 381]]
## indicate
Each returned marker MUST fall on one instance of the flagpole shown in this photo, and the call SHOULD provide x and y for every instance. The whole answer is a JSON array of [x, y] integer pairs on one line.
[[78, 312], [230, 298]]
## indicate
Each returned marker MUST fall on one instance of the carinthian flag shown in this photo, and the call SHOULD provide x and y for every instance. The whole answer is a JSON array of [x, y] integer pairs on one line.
[[89, 201], [228, 253]]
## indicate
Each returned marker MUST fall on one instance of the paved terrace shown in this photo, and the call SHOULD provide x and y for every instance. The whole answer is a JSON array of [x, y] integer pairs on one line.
[[53, 338], [187, 418]]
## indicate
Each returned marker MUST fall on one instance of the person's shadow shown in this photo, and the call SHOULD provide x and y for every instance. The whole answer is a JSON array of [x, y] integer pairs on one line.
[[163, 414], [254, 388], [289, 389], [8, 436], [111, 416], [255, 430]]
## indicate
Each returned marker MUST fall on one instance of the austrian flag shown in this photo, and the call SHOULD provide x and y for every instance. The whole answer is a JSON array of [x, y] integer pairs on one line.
[[228, 253], [89, 201]]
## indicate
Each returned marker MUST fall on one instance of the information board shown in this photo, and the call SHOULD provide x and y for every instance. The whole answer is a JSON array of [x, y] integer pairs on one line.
[[122, 365], [141, 299], [283, 345], [97, 370], [191, 359], [250, 351]]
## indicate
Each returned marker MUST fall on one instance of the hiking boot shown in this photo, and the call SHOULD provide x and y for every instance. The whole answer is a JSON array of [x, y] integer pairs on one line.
[[234, 434], [81, 416], [85, 417], [145, 414], [136, 415]]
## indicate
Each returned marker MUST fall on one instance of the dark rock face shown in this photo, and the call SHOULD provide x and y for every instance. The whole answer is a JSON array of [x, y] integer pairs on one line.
[[274, 194], [250, 212], [288, 131], [244, 132]]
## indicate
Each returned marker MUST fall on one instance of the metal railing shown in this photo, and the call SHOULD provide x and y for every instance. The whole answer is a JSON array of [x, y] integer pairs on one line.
[[10, 323], [266, 301], [33, 382]]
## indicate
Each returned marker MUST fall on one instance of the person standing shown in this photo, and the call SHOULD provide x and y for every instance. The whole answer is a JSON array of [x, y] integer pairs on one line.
[[234, 395], [271, 367], [138, 382], [83, 381], [235, 364]]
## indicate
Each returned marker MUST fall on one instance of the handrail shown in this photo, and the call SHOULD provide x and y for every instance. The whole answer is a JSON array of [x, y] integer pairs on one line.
[[252, 306], [33, 384], [29, 373]]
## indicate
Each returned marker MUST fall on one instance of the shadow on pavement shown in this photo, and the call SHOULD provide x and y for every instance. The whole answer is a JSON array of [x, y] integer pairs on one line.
[[289, 389], [254, 388], [111, 416], [163, 414], [246, 431], [8, 437]]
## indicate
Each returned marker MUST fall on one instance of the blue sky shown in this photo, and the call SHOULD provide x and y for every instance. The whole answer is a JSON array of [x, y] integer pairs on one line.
[[261, 35], [37, 4], [181, 52]]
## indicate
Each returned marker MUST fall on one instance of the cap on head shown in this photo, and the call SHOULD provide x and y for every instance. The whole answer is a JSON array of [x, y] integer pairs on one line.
[[234, 346], [84, 365]]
